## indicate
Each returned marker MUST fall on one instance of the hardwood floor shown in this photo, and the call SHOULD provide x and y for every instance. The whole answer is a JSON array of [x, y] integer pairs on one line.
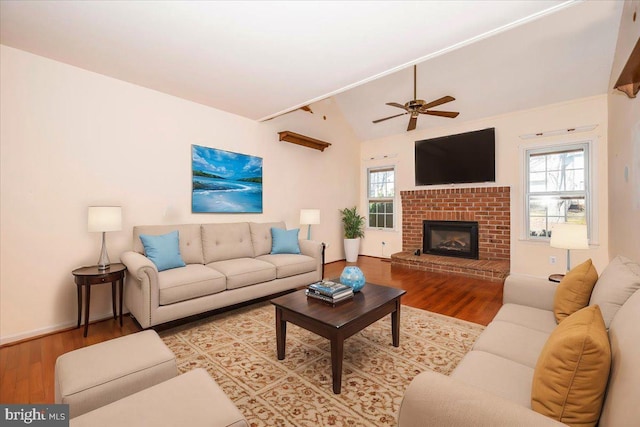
[[27, 368], [465, 298]]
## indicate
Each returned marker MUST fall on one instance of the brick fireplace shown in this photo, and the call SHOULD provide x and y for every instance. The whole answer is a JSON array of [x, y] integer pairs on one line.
[[488, 206]]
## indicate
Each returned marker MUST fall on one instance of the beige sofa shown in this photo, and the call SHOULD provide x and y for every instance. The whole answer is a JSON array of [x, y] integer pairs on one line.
[[226, 264], [492, 384]]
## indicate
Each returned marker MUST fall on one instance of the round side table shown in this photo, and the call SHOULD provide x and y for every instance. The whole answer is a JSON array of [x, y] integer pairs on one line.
[[88, 276], [556, 278]]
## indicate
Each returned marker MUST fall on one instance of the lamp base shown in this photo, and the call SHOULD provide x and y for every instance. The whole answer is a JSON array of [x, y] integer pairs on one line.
[[104, 263]]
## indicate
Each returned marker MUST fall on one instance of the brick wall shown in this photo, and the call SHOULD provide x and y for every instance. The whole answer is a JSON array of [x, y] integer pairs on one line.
[[489, 206]]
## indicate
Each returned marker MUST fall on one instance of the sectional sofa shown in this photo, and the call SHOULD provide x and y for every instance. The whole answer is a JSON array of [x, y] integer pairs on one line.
[[497, 382], [224, 264]]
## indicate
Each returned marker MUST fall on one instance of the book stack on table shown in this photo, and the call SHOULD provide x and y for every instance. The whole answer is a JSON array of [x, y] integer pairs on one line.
[[328, 291]]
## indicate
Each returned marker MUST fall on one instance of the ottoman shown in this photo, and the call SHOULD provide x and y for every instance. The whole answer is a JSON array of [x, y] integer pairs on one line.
[[94, 376], [192, 399]]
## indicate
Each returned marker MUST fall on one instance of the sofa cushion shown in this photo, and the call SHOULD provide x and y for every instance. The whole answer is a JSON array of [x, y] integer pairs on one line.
[[621, 405], [284, 241], [571, 375], [574, 290], [289, 264], [261, 236], [244, 271], [190, 399], [514, 342], [619, 280], [163, 250], [192, 281], [189, 235], [530, 317], [500, 376], [226, 241]]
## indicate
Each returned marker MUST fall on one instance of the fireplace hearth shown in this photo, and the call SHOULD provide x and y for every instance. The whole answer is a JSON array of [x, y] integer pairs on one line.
[[450, 238], [490, 207]]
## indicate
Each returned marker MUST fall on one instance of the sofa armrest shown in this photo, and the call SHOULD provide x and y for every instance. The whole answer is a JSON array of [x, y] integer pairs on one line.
[[436, 400], [316, 250], [529, 291], [137, 264], [311, 248], [142, 292]]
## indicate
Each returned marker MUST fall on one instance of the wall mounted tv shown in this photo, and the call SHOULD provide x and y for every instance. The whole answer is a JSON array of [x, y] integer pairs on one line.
[[456, 159]]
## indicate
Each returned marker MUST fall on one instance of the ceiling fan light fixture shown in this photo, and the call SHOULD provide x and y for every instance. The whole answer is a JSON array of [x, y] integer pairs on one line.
[[415, 107]]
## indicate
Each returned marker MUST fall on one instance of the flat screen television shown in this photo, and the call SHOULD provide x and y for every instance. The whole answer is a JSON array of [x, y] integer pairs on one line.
[[456, 159]]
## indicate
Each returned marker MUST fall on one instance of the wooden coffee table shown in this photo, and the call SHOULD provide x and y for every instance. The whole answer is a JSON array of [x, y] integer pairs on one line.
[[337, 323]]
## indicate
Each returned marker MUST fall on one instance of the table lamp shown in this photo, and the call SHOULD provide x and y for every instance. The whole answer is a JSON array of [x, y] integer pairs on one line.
[[309, 216], [569, 236], [103, 219]]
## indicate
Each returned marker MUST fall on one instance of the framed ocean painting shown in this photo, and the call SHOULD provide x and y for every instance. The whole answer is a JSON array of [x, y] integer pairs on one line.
[[225, 182]]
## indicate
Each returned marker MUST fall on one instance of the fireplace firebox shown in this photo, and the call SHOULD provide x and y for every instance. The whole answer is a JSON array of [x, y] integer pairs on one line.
[[450, 238]]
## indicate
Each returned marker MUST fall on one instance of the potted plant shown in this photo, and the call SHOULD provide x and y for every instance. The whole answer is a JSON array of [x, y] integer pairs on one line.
[[353, 230]]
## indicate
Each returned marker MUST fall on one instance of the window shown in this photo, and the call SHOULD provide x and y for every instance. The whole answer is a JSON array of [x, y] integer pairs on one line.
[[557, 188], [381, 195]]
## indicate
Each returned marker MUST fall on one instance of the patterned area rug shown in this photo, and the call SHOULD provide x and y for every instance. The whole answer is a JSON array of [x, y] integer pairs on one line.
[[238, 349]]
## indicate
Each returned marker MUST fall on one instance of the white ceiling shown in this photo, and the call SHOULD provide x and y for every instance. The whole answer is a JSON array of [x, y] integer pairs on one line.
[[559, 57], [259, 59]]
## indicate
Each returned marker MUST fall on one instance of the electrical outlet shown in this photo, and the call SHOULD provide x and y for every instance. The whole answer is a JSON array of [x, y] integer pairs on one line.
[[552, 260]]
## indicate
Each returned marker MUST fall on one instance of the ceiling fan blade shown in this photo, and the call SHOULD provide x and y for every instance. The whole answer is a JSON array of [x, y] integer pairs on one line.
[[412, 123], [437, 102], [450, 114], [387, 118], [395, 104]]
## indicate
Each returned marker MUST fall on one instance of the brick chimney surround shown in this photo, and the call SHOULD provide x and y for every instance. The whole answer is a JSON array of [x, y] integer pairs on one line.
[[489, 206]]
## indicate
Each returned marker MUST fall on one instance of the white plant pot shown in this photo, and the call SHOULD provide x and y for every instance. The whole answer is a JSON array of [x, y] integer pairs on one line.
[[351, 249]]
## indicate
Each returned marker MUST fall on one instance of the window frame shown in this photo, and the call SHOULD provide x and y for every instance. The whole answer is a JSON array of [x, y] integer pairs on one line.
[[588, 192], [392, 200]]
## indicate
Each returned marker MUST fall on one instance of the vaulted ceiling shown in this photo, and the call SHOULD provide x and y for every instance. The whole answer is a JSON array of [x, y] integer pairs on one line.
[[260, 59]]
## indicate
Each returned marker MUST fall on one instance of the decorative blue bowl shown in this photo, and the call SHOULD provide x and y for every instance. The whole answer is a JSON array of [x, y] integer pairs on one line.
[[352, 277]]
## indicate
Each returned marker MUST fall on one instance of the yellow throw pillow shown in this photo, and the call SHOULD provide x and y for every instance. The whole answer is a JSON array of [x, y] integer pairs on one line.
[[574, 290], [572, 371]]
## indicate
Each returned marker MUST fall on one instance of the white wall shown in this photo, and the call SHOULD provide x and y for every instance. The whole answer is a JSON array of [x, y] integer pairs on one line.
[[624, 148], [530, 258], [72, 138]]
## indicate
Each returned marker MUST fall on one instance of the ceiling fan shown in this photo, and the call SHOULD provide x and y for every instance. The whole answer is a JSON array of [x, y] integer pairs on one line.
[[416, 107]]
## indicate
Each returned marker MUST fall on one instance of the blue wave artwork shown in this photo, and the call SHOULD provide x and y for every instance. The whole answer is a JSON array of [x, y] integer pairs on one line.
[[225, 182]]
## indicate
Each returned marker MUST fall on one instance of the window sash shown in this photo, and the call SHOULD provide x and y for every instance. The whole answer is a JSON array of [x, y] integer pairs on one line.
[[553, 173], [380, 185], [380, 216], [545, 208], [381, 198]]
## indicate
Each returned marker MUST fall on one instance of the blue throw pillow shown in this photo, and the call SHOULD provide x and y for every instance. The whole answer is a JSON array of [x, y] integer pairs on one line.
[[163, 250], [284, 241]]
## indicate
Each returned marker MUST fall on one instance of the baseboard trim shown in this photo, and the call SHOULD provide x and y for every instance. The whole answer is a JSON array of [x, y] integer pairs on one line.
[[14, 339]]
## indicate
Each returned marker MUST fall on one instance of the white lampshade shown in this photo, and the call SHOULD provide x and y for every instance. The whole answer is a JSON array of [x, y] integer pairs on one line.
[[309, 216], [104, 218], [569, 236]]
